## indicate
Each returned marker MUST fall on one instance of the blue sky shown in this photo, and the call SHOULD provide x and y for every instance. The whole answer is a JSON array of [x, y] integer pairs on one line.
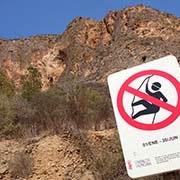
[[23, 18]]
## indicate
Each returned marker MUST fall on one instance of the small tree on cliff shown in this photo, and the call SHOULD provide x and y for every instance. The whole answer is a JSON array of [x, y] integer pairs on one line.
[[31, 83], [7, 87]]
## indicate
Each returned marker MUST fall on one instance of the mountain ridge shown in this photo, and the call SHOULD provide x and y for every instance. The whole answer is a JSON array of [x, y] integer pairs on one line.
[[86, 46], [87, 52]]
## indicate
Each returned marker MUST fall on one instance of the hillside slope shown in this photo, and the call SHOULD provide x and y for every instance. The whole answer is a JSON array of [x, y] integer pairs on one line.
[[88, 51], [68, 157]]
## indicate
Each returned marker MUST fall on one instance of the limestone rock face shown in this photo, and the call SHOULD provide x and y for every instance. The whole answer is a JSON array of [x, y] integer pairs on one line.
[[90, 50]]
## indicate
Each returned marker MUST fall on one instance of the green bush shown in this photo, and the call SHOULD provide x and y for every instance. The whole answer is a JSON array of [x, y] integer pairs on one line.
[[7, 86], [31, 83]]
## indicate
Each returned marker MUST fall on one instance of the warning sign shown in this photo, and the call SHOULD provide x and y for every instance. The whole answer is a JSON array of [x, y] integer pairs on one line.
[[152, 100], [146, 102]]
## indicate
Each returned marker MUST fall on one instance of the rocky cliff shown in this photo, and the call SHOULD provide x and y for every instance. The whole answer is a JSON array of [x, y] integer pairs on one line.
[[87, 51], [90, 50]]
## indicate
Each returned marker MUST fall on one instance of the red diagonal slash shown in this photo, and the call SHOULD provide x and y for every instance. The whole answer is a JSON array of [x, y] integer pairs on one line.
[[175, 112], [151, 99]]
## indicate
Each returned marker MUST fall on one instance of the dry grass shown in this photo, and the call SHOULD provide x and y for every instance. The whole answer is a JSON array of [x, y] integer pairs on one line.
[[20, 166]]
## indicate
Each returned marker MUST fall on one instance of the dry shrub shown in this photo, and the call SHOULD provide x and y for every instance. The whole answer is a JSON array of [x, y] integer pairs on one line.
[[50, 110], [87, 108], [54, 110], [16, 115], [109, 161], [109, 165], [24, 116], [7, 85], [31, 83], [77, 107], [7, 126], [20, 166]]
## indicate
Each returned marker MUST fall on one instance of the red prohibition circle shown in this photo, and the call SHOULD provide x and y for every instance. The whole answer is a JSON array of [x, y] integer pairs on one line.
[[144, 126]]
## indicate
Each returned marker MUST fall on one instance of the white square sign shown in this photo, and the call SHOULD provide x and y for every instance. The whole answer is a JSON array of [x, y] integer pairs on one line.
[[146, 103]]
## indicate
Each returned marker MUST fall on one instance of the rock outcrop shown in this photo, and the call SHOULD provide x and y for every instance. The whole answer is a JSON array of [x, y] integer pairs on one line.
[[87, 51], [90, 50]]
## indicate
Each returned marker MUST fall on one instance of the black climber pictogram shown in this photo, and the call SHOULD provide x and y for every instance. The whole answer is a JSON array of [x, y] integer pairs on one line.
[[150, 107]]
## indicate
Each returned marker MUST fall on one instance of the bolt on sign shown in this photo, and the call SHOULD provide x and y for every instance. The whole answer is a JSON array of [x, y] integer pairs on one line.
[[146, 103]]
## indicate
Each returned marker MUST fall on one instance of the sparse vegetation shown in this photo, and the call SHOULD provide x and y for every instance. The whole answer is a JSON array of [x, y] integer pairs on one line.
[[54, 110], [16, 115], [7, 125], [7, 87], [50, 110], [31, 83], [20, 165], [108, 161], [24, 114], [88, 51], [86, 107], [109, 165]]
